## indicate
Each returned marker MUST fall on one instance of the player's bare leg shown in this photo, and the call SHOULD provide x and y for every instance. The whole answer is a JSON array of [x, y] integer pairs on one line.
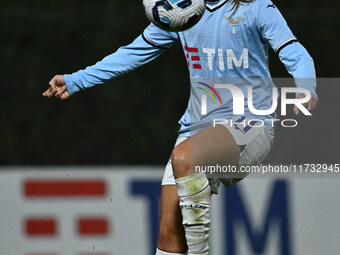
[[213, 145], [171, 238]]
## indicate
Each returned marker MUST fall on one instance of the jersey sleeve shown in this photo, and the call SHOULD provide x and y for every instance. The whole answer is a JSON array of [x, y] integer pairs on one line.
[[293, 55], [272, 25], [300, 65], [158, 37], [152, 43]]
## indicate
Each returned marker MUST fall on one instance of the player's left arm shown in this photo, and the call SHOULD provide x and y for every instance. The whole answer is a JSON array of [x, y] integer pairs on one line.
[[301, 66], [293, 55]]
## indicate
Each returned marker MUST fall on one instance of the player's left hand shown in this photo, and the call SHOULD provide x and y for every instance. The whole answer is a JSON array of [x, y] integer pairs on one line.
[[310, 105]]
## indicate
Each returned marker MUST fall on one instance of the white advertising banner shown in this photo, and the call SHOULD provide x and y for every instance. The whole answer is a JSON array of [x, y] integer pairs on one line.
[[115, 211]]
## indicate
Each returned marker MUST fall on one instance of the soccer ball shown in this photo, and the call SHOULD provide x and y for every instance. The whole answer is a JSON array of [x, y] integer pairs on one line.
[[174, 15]]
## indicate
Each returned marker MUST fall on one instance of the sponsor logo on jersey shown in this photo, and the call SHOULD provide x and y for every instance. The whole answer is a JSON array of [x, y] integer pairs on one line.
[[226, 58], [234, 26]]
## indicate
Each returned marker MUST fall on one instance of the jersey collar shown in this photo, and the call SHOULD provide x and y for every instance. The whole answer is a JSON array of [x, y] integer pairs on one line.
[[213, 6]]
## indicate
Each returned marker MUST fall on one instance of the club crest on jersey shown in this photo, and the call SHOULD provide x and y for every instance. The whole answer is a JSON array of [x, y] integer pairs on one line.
[[233, 26]]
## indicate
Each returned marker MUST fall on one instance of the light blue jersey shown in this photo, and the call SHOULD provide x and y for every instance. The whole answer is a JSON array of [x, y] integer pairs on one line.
[[220, 49]]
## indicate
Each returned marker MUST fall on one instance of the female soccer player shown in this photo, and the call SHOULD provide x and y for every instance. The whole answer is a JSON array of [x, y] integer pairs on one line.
[[227, 53]]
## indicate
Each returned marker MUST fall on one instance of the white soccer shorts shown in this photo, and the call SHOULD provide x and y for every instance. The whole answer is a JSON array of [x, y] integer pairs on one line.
[[255, 143]]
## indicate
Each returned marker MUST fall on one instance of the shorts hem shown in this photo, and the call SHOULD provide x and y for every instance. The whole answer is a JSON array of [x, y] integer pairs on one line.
[[168, 184]]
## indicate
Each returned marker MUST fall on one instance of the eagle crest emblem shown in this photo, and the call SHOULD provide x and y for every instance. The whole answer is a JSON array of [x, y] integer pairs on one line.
[[233, 26]]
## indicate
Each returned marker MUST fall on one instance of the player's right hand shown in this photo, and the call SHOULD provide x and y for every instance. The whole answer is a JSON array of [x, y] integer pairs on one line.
[[57, 88]]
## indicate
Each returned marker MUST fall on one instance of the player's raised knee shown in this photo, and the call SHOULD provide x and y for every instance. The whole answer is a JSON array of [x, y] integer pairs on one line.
[[180, 159]]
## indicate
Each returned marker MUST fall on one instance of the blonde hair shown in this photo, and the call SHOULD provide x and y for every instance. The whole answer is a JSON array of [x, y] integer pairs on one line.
[[238, 3]]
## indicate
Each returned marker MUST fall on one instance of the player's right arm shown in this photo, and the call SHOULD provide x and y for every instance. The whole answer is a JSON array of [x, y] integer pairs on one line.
[[152, 43]]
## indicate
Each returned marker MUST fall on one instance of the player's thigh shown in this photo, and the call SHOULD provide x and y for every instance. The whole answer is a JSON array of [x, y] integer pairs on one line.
[[214, 145], [210, 146], [171, 233]]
